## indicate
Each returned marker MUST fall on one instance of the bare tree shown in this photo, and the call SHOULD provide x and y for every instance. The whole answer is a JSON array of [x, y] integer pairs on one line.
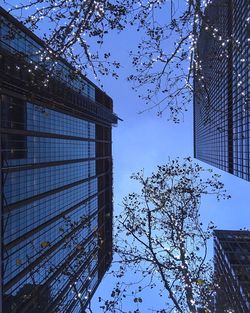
[[164, 60], [160, 238]]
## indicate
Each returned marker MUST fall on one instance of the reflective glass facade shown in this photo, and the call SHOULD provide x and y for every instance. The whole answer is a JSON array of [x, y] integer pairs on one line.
[[232, 271], [222, 88], [56, 174]]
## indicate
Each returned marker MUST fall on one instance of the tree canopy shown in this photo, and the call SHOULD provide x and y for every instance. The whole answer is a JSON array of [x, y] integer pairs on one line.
[[160, 238], [163, 60]]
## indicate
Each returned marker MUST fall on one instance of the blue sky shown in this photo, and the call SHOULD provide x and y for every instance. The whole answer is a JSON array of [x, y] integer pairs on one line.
[[143, 141]]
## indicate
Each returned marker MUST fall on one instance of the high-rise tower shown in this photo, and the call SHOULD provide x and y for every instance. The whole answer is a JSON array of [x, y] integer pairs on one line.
[[222, 88], [56, 178], [232, 270]]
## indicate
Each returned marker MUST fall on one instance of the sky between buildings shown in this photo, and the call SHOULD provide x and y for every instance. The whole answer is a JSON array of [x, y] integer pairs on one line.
[[143, 141]]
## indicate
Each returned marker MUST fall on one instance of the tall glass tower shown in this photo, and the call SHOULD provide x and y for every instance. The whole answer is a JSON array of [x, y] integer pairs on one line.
[[222, 88], [56, 178], [232, 270]]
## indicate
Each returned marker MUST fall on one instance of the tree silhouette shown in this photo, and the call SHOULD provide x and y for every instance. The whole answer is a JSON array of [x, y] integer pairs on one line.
[[161, 239], [164, 61]]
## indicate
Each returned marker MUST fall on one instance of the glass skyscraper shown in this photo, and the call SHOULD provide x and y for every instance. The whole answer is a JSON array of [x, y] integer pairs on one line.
[[56, 178], [232, 271], [222, 88]]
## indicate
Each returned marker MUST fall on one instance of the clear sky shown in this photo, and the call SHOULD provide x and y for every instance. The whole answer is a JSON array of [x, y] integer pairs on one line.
[[143, 141]]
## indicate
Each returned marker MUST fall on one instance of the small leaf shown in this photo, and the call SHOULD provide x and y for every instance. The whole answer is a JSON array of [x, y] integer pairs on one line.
[[18, 261], [44, 244]]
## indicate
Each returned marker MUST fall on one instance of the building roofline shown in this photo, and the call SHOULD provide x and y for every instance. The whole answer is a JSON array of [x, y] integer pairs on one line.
[[234, 231], [38, 40]]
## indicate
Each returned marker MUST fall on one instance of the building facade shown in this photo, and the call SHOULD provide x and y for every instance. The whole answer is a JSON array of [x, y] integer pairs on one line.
[[232, 270], [222, 88], [56, 178]]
